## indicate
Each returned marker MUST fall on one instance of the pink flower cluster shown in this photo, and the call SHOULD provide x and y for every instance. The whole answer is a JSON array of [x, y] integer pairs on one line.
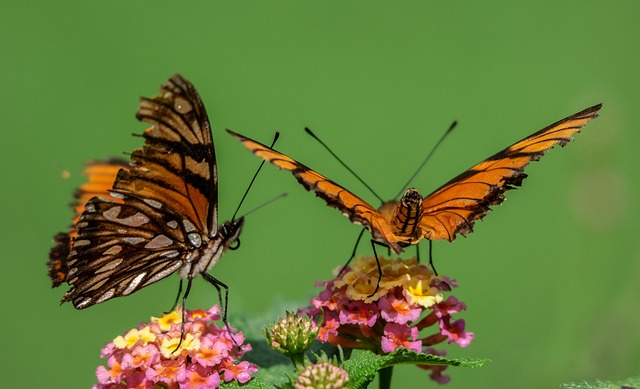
[[146, 356], [409, 299]]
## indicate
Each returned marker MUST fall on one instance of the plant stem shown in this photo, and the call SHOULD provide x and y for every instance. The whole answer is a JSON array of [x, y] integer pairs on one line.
[[298, 360], [385, 377]]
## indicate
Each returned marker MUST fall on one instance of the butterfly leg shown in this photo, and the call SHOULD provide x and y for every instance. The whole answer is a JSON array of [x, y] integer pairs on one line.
[[175, 304], [353, 253], [373, 246], [219, 285], [430, 258], [184, 312]]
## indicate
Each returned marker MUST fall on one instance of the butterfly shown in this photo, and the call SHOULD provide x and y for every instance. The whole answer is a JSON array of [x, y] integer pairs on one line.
[[155, 216], [451, 209]]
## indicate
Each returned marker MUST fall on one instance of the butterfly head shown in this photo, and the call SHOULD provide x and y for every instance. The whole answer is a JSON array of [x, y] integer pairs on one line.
[[231, 233], [411, 198]]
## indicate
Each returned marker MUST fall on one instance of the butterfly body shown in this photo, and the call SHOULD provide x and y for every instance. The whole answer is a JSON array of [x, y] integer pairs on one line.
[[448, 211], [158, 215], [403, 219]]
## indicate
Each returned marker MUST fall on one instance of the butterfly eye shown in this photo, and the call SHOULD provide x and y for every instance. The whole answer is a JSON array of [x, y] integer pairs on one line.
[[235, 245]]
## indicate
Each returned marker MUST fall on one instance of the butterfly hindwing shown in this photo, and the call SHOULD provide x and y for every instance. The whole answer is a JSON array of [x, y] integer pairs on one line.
[[100, 178], [121, 248]]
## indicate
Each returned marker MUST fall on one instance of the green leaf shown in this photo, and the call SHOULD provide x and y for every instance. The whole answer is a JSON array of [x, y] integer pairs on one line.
[[629, 383], [255, 383], [364, 366]]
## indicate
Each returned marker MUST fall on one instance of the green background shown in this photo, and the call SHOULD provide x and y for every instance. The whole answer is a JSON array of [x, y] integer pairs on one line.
[[551, 278]]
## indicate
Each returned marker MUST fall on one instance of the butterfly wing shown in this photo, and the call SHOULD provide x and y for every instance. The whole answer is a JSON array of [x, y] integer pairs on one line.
[[177, 164], [100, 178], [453, 208], [157, 209], [336, 196]]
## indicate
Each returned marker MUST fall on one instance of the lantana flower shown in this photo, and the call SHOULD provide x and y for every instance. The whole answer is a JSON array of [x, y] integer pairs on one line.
[[148, 356], [292, 336], [408, 310]]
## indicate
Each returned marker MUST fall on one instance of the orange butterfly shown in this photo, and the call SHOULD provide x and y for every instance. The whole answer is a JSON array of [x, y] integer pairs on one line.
[[451, 209]]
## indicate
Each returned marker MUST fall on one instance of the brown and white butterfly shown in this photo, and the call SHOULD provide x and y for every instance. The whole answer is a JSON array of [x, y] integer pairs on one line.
[[156, 216], [451, 209]]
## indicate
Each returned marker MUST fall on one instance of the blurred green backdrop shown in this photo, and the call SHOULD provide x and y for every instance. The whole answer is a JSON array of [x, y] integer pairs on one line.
[[551, 278]]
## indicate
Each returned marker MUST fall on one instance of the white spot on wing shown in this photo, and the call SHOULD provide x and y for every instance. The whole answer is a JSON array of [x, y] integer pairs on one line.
[[112, 264], [158, 242], [173, 224], [133, 285], [188, 226], [166, 272], [153, 203], [133, 240], [170, 254], [82, 242], [135, 220], [113, 250], [182, 105], [83, 303], [106, 296], [116, 195]]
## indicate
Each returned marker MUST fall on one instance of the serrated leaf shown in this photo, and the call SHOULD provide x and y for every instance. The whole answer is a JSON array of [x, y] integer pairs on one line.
[[629, 383], [364, 366], [404, 356], [255, 383]]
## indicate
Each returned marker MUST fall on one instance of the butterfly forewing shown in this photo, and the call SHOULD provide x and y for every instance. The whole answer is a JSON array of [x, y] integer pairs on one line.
[[336, 196], [178, 158], [454, 207]]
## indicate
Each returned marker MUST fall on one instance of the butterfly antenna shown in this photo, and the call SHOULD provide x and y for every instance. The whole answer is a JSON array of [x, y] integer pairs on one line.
[[275, 138], [278, 197], [342, 163], [442, 138]]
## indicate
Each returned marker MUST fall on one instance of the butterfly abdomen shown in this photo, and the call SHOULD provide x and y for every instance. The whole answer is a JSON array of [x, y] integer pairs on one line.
[[407, 213]]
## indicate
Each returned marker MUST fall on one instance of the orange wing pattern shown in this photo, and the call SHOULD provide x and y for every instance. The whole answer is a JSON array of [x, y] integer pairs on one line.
[[336, 196], [100, 178], [450, 210], [454, 207], [160, 214]]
